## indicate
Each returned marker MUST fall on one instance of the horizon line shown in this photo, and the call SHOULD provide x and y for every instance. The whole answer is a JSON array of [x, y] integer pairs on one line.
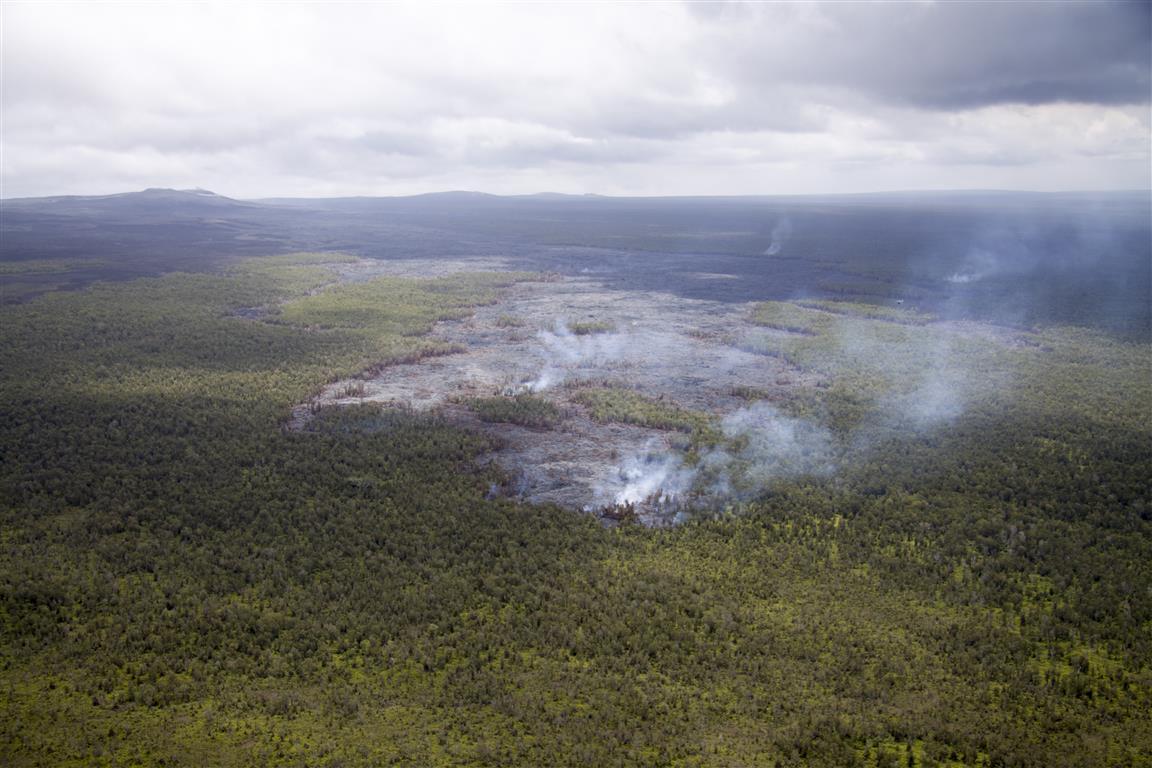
[[586, 195]]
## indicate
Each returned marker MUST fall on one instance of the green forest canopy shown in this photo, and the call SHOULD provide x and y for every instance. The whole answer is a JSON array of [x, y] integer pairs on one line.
[[185, 582]]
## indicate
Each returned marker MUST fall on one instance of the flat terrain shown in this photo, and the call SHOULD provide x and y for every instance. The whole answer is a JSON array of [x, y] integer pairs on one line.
[[1009, 258], [493, 501], [683, 353], [708, 360]]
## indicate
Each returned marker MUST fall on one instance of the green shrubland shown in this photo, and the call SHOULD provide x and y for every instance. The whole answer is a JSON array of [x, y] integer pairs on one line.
[[628, 406], [897, 314], [524, 409], [509, 321]]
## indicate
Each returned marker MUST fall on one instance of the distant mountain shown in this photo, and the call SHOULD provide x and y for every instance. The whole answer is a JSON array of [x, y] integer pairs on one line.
[[168, 203], [79, 239], [561, 196], [455, 194], [449, 198]]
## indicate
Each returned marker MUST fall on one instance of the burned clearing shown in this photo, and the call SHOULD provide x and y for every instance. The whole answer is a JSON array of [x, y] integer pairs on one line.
[[560, 338], [647, 404]]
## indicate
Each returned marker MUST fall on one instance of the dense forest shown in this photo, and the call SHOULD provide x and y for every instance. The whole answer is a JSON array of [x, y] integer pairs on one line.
[[184, 581]]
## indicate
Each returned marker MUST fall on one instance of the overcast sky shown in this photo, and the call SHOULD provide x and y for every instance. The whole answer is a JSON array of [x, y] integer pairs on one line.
[[253, 100]]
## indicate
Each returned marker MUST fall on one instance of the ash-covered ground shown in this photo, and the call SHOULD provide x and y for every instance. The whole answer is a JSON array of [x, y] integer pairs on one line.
[[682, 352]]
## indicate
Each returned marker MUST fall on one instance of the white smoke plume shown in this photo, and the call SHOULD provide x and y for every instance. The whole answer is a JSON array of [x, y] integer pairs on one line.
[[780, 234], [939, 396], [762, 446], [930, 383], [562, 352], [978, 265], [653, 474]]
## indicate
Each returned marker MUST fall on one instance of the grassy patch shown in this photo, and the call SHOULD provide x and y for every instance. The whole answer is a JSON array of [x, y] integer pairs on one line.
[[751, 394], [789, 317], [589, 327], [628, 406], [869, 311], [525, 409], [47, 266], [508, 321], [412, 305]]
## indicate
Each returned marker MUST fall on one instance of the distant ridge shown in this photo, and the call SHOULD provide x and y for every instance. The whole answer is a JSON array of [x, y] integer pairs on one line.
[[201, 195], [560, 196], [455, 194], [198, 201], [882, 197], [149, 193], [152, 201]]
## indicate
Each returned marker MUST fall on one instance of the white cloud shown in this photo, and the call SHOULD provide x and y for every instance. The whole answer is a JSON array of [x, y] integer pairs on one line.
[[262, 99]]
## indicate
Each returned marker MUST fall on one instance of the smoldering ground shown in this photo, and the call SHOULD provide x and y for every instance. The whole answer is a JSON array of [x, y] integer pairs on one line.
[[770, 403]]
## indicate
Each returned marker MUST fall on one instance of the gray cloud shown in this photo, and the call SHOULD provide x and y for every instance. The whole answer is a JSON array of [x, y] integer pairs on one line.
[[253, 99], [948, 55]]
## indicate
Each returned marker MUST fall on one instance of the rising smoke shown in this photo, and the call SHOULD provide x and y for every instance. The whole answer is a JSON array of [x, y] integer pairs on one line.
[[929, 381], [652, 474], [563, 352], [762, 446], [780, 235], [978, 264]]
